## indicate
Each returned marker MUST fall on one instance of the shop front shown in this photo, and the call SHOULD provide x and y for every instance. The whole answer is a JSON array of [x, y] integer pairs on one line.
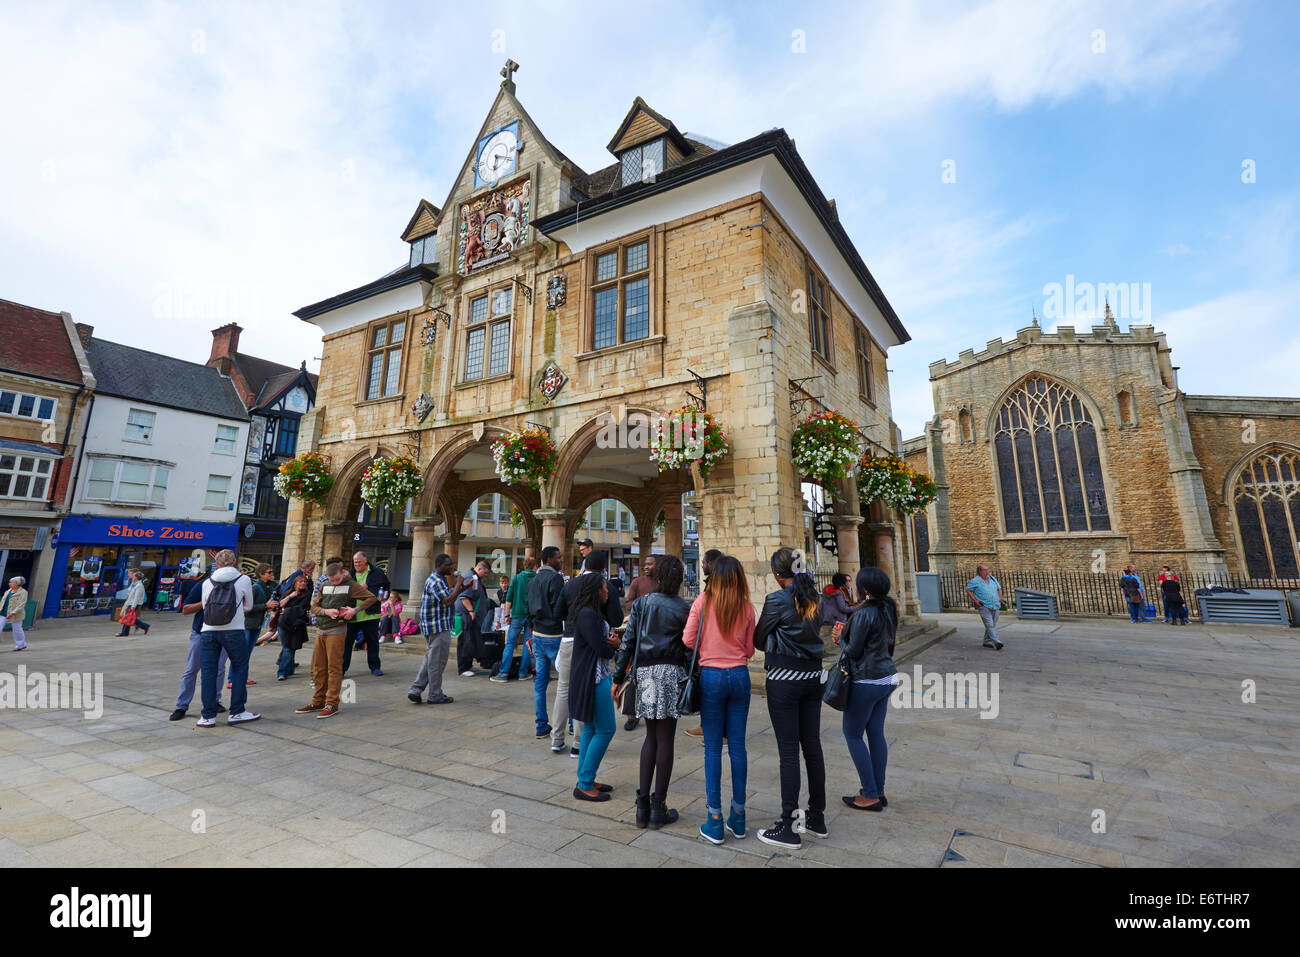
[[95, 555]]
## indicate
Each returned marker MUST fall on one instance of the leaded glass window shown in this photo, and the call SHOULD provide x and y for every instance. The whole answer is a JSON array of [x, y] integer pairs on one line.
[[1049, 466], [621, 295], [1266, 501]]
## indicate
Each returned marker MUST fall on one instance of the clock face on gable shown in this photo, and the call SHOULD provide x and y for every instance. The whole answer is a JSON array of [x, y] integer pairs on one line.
[[497, 155]]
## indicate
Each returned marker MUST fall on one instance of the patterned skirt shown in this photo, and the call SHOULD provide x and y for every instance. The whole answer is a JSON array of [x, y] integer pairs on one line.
[[657, 688]]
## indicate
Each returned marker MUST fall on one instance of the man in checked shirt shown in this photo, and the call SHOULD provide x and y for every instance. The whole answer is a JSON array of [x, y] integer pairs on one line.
[[437, 607]]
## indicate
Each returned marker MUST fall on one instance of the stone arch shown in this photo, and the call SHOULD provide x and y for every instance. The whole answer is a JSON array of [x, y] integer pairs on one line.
[[345, 494], [1072, 410], [445, 459], [465, 494], [1278, 465], [644, 503], [572, 452]]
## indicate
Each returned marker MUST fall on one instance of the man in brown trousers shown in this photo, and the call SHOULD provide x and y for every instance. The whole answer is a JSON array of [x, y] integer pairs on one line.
[[337, 603]]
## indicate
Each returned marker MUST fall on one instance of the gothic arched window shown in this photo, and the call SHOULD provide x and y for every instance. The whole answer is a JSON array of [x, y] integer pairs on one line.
[[1266, 501], [1048, 464]]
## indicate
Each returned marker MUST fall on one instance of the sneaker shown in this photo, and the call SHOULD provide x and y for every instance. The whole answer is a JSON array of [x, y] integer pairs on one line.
[[377, 673], [250, 681], [711, 829], [815, 824], [736, 824], [328, 711], [998, 646], [308, 708], [573, 752], [381, 639], [177, 714], [242, 717], [413, 698], [501, 678], [442, 699], [467, 674], [206, 723], [781, 834], [398, 641], [544, 732], [558, 748]]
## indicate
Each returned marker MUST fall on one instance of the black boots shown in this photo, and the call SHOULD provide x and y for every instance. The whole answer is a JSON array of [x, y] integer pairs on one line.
[[642, 810], [660, 813]]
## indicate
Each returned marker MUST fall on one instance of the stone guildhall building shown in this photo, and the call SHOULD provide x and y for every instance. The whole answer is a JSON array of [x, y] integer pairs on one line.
[[1058, 449], [684, 271]]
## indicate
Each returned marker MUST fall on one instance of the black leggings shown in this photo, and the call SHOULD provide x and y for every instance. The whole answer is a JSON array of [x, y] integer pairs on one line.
[[795, 708], [657, 755]]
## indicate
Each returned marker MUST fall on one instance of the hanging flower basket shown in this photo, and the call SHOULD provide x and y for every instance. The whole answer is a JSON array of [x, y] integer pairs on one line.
[[306, 477], [528, 457], [391, 482], [825, 447], [516, 516], [890, 480], [685, 436]]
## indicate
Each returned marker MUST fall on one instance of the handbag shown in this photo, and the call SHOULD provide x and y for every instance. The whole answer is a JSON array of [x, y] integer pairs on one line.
[[457, 626], [621, 697], [128, 618], [838, 685], [689, 693]]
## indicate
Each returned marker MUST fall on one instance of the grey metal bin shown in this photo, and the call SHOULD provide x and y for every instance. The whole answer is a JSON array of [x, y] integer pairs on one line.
[[1036, 604], [1257, 606], [929, 593]]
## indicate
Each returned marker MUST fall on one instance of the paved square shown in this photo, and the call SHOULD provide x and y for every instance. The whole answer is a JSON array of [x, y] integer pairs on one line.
[[1144, 723]]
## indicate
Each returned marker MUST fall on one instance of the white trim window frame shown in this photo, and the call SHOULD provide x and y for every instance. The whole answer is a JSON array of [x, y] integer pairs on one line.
[[223, 492], [25, 471], [143, 422], [229, 435], [41, 408], [115, 481]]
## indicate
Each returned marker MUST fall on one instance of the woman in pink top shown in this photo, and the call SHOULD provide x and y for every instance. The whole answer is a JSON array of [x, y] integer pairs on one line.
[[390, 621], [722, 620]]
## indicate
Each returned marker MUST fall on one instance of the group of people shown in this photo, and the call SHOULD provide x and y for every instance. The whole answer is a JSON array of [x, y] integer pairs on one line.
[[649, 649], [644, 647]]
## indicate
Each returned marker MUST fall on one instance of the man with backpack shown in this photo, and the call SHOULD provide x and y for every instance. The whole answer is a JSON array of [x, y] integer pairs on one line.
[[227, 595], [193, 605]]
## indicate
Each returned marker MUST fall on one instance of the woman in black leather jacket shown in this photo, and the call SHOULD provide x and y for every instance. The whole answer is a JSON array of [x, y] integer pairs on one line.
[[654, 638], [868, 653], [788, 631]]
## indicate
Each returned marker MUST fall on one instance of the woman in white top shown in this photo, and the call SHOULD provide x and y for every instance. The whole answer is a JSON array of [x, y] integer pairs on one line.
[[13, 607], [136, 598]]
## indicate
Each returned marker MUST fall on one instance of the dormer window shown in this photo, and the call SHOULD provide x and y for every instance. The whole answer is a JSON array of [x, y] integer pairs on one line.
[[641, 164], [422, 250]]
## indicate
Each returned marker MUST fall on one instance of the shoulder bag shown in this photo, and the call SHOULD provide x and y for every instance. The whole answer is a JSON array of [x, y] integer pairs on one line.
[[839, 681], [688, 696]]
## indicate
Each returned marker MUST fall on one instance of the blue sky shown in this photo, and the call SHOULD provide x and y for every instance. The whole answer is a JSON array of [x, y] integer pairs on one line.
[[169, 167]]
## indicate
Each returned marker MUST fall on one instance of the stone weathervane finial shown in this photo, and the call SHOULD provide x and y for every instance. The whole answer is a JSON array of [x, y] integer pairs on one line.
[[508, 72]]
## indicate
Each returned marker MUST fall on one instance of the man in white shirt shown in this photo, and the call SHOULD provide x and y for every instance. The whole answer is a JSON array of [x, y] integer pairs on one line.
[[227, 595]]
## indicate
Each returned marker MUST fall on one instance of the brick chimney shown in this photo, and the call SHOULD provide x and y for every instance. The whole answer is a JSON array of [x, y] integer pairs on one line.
[[225, 343], [84, 332]]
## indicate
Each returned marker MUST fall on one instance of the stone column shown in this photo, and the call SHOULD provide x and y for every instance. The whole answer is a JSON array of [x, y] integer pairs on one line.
[[673, 526], [451, 545], [885, 551], [846, 542], [424, 543], [338, 540], [555, 525]]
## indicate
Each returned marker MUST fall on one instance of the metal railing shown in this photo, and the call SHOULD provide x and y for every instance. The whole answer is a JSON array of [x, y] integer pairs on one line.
[[1083, 593]]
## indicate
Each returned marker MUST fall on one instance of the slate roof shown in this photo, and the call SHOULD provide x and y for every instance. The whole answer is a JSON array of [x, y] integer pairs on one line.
[[267, 378], [35, 342], [151, 377]]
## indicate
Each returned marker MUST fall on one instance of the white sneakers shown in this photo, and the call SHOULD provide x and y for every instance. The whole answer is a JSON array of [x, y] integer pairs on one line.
[[398, 641], [241, 717], [467, 674], [206, 723]]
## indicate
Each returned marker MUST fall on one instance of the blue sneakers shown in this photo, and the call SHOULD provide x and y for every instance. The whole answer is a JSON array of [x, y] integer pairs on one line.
[[711, 829], [736, 824]]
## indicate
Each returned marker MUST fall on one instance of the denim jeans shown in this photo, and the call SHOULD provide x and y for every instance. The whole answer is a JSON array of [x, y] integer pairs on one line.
[[596, 735], [868, 705], [190, 677], [545, 651], [235, 644], [1136, 612], [724, 709], [990, 618], [286, 665], [517, 626]]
